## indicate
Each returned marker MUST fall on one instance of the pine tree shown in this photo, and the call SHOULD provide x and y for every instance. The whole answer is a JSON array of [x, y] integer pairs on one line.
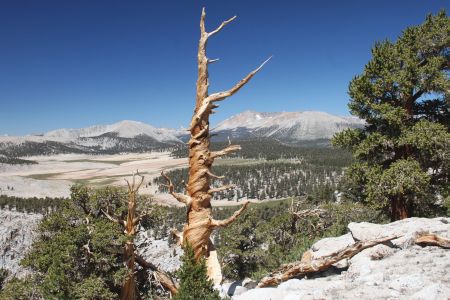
[[403, 95], [194, 282]]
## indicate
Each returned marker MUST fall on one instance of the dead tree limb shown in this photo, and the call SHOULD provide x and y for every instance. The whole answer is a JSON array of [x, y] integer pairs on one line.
[[180, 197], [226, 151], [165, 280], [130, 228], [221, 188], [305, 267], [223, 95], [430, 239], [114, 219]]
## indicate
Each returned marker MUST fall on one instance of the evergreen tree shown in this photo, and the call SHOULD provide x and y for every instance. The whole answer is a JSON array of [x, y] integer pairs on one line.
[[403, 95], [194, 283], [78, 253]]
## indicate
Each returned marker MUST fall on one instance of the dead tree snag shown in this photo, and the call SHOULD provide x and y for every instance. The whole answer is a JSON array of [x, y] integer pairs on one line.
[[130, 226], [200, 222]]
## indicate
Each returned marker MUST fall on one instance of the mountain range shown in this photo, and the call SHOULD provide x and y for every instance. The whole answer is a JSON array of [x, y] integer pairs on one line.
[[288, 127], [133, 136]]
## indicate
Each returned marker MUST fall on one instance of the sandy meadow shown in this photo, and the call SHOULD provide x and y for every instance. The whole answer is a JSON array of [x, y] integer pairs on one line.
[[53, 175]]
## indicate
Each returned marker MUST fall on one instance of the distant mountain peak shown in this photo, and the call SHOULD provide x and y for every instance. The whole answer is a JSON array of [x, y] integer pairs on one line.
[[131, 136], [303, 125], [123, 129]]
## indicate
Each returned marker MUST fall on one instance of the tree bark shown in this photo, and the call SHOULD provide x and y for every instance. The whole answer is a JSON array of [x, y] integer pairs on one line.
[[128, 291], [399, 209], [200, 222]]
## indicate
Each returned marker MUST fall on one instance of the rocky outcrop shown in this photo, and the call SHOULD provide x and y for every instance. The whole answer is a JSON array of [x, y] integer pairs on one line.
[[399, 269], [159, 252], [17, 231]]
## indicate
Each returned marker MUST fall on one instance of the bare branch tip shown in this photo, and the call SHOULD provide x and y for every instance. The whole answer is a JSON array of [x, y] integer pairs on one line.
[[265, 62]]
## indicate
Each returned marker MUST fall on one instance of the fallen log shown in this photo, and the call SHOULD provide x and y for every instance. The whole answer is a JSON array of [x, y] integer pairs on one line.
[[305, 266], [430, 239], [165, 280]]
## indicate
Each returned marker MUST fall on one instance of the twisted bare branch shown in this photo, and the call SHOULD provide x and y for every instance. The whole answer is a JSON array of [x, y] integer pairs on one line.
[[226, 222], [222, 95], [180, 197], [132, 188], [221, 26], [165, 280], [114, 219], [206, 104], [227, 150], [210, 174], [222, 188]]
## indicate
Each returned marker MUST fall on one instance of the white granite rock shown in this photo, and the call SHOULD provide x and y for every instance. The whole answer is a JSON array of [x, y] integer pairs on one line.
[[399, 270], [17, 231], [406, 229], [328, 246], [159, 252]]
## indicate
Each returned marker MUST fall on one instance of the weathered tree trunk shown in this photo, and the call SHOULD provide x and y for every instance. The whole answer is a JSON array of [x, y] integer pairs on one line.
[[399, 209], [200, 222], [128, 291], [307, 266], [430, 239]]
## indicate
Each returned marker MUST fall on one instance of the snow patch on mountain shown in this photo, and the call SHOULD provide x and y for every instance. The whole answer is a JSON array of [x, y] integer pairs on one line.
[[306, 125], [124, 129], [124, 136]]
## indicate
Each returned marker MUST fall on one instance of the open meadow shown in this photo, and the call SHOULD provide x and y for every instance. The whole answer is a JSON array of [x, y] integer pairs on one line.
[[52, 176]]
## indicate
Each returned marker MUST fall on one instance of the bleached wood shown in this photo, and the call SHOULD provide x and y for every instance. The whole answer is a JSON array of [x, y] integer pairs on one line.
[[226, 222], [165, 280], [114, 219], [307, 266], [210, 174], [180, 197], [221, 26], [430, 239], [222, 188], [210, 61], [200, 223], [227, 150], [223, 95]]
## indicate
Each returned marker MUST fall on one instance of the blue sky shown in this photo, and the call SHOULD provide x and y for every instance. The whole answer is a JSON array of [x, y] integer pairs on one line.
[[80, 63]]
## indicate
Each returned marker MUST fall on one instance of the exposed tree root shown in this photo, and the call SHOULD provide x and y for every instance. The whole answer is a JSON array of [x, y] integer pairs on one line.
[[306, 266]]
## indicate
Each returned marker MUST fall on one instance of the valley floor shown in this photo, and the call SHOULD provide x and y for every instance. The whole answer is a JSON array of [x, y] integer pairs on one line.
[[52, 176]]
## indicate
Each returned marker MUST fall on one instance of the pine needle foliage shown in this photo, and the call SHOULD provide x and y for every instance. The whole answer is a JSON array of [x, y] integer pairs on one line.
[[194, 283], [402, 154]]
